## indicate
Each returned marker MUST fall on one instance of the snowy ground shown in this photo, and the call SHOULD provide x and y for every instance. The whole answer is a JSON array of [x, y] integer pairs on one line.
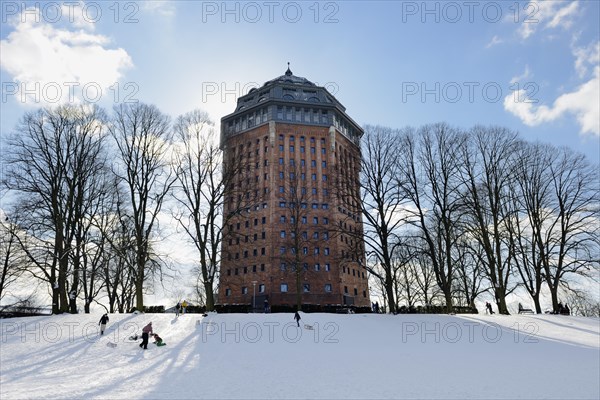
[[267, 357]]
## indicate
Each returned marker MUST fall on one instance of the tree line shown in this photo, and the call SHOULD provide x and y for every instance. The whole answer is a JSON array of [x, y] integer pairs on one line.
[[448, 214], [451, 214], [85, 193]]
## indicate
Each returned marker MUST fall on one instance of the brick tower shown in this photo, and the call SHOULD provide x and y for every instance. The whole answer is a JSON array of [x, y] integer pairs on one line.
[[295, 229]]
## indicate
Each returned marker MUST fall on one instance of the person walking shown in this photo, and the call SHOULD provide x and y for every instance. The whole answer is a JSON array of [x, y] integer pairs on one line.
[[266, 306], [177, 307], [184, 304], [102, 323], [297, 318], [146, 331]]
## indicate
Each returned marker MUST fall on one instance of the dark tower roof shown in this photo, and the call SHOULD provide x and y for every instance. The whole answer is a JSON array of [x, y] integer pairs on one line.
[[289, 90]]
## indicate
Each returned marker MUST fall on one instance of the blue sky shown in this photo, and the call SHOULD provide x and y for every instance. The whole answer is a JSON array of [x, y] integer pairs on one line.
[[530, 66]]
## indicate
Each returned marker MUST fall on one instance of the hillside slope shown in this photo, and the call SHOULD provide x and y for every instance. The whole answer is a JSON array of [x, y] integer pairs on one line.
[[240, 356]]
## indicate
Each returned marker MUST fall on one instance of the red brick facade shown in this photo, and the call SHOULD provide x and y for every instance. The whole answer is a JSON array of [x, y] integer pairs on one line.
[[294, 226]]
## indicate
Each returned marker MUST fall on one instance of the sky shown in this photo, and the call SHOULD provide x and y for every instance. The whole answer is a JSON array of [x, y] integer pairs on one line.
[[530, 66]]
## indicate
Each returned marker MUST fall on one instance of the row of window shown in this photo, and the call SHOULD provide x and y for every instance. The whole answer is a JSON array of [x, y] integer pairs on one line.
[[316, 251], [236, 271], [326, 267], [314, 206], [316, 235], [284, 288], [304, 220], [292, 139], [292, 148]]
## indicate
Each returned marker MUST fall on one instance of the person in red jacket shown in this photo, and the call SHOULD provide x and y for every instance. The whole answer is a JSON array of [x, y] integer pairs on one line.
[[146, 331]]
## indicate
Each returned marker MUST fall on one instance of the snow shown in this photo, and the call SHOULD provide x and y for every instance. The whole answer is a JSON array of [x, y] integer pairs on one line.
[[257, 356]]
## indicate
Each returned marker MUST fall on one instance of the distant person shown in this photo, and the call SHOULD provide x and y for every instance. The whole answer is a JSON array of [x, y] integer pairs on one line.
[[373, 307], [559, 309], [184, 304], [102, 323], [567, 310], [158, 340], [266, 306], [297, 318], [147, 330], [488, 308], [377, 307], [177, 307]]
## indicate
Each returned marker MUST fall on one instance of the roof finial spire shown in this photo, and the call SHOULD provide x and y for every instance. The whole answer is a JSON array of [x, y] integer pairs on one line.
[[289, 71]]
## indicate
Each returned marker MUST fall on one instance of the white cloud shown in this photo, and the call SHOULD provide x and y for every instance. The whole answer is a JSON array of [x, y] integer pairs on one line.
[[525, 75], [162, 7], [546, 14], [495, 40], [586, 56], [40, 56], [583, 103]]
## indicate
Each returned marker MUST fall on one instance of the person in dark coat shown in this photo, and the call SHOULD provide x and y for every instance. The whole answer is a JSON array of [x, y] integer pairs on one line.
[[488, 307], [102, 323], [177, 308], [146, 331], [297, 318], [266, 306]]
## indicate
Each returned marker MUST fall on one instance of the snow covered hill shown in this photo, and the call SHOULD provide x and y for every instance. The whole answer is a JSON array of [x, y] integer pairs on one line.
[[239, 356]]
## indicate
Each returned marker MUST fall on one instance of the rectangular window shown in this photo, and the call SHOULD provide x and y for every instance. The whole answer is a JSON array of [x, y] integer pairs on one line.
[[326, 235], [282, 219], [283, 267], [281, 190], [280, 147], [302, 149], [263, 251], [315, 205], [323, 151], [304, 220], [324, 164], [316, 235], [324, 178], [306, 287], [327, 267], [317, 251], [284, 288], [261, 288], [292, 148], [325, 220], [244, 290], [227, 292], [325, 206], [282, 234], [328, 287], [313, 150], [262, 267], [326, 251], [313, 163], [264, 220], [316, 220], [282, 250], [281, 176], [303, 163], [355, 291], [317, 267]]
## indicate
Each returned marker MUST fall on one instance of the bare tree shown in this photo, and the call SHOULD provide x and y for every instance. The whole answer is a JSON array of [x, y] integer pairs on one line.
[[530, 203], [382, 203], [570, 243], [142, 136], [54, 155], [429, 177], [488, 159], [14, 259], [199, 193]]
